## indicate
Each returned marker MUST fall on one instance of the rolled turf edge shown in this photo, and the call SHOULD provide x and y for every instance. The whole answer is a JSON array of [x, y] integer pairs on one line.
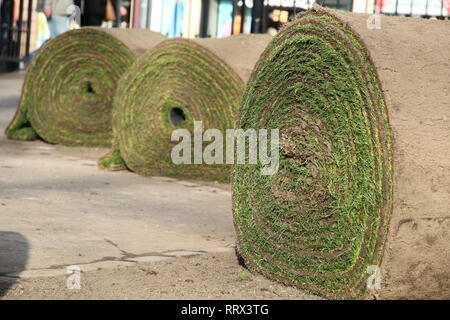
[[185, 79], [68, 89], [341, 95]]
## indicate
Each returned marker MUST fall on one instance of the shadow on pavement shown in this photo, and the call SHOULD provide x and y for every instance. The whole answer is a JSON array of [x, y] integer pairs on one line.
[[14, 249]]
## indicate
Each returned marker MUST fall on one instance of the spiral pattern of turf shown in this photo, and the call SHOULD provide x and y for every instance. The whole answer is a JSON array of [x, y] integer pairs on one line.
[[322, 219], [69, 87], [178, 76]]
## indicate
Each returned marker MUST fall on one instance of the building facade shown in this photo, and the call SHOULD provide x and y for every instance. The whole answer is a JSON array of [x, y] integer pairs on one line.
[[221, 18]]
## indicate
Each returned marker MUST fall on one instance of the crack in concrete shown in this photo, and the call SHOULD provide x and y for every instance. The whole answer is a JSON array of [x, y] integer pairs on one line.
[[126, 256], [123, 252]]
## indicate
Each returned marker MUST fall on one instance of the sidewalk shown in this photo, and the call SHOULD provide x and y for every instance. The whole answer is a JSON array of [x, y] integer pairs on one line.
[[57, 204]]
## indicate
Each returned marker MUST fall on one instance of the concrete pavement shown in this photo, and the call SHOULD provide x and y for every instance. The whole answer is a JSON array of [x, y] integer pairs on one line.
[[58, 209]]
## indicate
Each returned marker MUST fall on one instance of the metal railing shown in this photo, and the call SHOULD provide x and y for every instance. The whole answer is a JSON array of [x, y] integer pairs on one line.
[[15, 30]]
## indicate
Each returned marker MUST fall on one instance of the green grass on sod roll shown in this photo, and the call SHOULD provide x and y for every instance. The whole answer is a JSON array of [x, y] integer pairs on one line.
[[69, 87], [322, 219], [168, 88]]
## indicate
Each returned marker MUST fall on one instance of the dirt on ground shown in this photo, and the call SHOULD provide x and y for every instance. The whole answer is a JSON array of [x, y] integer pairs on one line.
[[206, 276]]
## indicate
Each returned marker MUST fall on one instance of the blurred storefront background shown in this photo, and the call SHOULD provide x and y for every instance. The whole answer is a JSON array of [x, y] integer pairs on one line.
[[23, 28], [221, 18]]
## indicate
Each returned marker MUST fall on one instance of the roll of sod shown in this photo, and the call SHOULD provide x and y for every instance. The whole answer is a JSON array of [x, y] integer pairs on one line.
[[363, 179], [171, 86], [68, 90]]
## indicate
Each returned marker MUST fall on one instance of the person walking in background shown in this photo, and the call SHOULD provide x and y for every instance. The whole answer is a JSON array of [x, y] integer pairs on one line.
[[57, 15], [94, 12]]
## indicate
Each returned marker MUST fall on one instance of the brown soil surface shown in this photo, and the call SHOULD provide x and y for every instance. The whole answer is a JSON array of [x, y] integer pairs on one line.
[[240, 52], [209, 276], [414, 69], [137, 40]]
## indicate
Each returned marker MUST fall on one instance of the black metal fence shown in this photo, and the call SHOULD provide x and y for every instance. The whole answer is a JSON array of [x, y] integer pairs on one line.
[[15, 31]]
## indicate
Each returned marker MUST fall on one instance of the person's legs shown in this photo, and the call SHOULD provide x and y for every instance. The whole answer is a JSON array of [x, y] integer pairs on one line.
[[91, 20], [58, 25]]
